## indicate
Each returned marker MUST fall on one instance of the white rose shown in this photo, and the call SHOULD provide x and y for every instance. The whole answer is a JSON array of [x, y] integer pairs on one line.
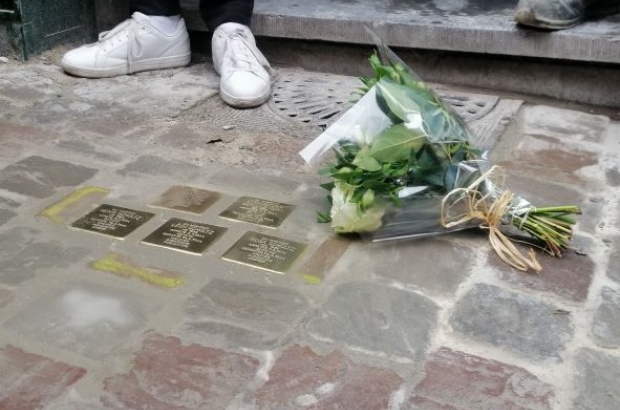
[[413, 121], [347, 216]]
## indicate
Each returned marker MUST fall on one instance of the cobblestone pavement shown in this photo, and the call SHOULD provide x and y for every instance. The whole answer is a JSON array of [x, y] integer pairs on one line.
[[96, 322]]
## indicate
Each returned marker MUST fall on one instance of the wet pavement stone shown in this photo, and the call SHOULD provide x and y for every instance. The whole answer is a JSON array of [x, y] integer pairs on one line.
[[245, 182], [612, 176], [18, 138], [302, 379], [83, 318], [592, 215], [511, 321], [564, 125], [101, 153], [605, 326], [554, 153], [596, 381], [262, 307], [24, 256], [168, 375], [40, 177], [541, 192], [6, 215], [31, 381], [156, 166], [438, 266], [227, 336], [375, 318], [460, 381], [6, 297], [569, 276], [613, 268]]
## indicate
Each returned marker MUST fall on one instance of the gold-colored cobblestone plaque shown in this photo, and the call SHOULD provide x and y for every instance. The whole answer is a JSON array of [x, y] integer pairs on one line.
[[186, 236], [258, 211], [265, 252], [112, 220], [187, 199]]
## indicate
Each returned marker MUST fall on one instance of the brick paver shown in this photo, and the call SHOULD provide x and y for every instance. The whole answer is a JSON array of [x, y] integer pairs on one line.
[[39, 177], [169, 375], [568, 277], [460, 381], [30, 381], [302, 379]]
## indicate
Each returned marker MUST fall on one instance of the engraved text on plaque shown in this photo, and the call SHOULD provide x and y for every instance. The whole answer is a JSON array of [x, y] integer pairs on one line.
[[112, 220], [186, 236], [258, 211], [265, 252]]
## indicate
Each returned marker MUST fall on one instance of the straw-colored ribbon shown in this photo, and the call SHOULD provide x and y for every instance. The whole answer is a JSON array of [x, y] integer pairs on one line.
[[481, 206]]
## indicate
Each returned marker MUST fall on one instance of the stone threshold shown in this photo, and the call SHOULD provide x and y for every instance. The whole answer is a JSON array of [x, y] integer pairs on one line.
[[473, 26]]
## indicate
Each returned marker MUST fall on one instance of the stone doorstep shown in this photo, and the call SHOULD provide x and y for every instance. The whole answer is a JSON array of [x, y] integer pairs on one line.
[[474, 27]]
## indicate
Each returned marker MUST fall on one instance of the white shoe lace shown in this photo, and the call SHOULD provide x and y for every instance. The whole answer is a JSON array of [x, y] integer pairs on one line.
[[110, 38], [243, 54]]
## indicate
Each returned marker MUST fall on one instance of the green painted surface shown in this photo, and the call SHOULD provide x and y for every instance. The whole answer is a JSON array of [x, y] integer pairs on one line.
[[29, 27]]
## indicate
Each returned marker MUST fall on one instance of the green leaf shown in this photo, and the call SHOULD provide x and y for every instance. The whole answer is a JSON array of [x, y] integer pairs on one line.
[[323, 218], [450, 177], [328, 186], [397, 98], [344, 171], [349, 147], [365, 161], [396, 143], [368, 199], [327, 170], [436, 178]]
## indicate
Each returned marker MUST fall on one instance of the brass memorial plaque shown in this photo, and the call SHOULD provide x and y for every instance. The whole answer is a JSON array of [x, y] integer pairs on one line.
[[112, 220], [187, 199], [258, 211], [186, 236], [265, 252]]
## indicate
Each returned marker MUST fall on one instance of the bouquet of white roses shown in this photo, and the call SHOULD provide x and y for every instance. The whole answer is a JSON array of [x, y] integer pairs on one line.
[[404, 168]]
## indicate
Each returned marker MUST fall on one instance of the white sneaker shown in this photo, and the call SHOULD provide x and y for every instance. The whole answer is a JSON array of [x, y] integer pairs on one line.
[[132, 46], [244, 70]]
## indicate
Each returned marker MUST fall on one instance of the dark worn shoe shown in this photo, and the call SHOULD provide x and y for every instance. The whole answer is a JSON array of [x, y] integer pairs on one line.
[[561, 14]]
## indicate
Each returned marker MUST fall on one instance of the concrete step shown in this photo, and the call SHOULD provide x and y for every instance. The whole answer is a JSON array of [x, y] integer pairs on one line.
[[470, 26]]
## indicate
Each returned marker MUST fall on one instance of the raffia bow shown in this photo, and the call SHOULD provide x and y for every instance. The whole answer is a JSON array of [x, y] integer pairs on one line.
[[485, 206]]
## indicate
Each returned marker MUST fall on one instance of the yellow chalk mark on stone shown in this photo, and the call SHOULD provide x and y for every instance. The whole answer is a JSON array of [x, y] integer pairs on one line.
[[122, 266], [311, 279], [323, 260], [55, 212]]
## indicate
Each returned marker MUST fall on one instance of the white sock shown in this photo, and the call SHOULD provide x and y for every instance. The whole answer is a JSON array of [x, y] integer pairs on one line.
[[165, 24]]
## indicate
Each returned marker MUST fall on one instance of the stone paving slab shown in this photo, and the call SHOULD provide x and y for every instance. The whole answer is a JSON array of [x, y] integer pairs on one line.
[[605, 326], [301, 379], [456, 380], [355, 311], [511, 321], [83, 318], [168, 375], [30, 380], [351, 325], [596, 380]]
